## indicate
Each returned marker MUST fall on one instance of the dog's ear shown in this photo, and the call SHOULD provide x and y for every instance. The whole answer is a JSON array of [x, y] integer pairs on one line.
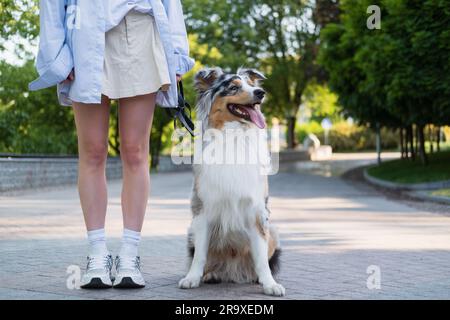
[[206, 77], [253, 75]]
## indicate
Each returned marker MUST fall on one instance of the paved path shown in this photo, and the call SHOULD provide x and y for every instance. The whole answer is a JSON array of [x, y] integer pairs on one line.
[[331, 232]]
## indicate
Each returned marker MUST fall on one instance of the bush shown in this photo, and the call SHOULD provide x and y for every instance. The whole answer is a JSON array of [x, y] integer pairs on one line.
[[303, 130], [32, 122], [347, 137]]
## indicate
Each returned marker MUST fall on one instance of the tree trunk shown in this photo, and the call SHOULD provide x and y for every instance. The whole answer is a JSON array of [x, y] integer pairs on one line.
[[291, 132], [421, 142], [405, 137], [438, 139], [430, 136], [416, 132], [402, 144], [378, 143], [410, 138]]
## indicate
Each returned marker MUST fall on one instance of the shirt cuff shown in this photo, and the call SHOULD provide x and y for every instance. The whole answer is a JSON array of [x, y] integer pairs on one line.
[[56, 72], [185, 64]]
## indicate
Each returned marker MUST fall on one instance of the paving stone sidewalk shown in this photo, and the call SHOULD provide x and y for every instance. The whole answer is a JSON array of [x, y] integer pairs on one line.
[[332, 232]]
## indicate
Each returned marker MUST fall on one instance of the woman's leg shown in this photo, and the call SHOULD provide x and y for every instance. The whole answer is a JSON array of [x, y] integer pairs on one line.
[[135, 121], [92, 122]]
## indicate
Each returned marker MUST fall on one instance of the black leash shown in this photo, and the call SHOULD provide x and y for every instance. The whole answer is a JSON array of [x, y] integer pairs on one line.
[[180, 111]]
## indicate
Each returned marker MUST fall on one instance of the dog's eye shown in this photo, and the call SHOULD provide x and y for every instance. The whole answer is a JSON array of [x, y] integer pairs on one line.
[[234, 88]]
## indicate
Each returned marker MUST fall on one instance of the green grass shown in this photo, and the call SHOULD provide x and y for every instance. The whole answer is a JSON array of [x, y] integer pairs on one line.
[[407, 171], [441, 193]]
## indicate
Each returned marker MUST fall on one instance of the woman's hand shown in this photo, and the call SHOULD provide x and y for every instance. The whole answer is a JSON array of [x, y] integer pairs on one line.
[[70, 77], [178, 78]]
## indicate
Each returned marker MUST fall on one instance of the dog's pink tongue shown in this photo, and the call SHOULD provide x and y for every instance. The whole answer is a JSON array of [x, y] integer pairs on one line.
[[257, 117]]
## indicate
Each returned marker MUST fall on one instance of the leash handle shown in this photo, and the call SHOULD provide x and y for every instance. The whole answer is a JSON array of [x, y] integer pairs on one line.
[[180, 88], [180, 112]]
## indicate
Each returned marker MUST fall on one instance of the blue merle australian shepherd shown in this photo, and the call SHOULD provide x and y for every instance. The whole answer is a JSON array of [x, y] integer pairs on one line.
[[230, 238]]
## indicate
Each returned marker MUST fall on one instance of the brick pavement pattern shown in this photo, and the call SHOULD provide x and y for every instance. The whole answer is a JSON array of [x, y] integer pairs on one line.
[[331, 232]]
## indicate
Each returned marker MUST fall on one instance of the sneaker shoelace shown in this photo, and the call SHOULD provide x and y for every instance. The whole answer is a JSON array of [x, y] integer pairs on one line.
[[130, 263], [99, 262]]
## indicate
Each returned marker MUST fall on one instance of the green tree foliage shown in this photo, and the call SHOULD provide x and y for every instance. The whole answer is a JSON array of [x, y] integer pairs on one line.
[[18, 20], [343, 46], [18, 17], [397, 76], [325, 12], [276, 36], [319, 103], [32, 122]]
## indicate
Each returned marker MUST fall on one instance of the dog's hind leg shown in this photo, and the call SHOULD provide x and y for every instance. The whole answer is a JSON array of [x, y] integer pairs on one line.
[[259, 251], [200, 233]]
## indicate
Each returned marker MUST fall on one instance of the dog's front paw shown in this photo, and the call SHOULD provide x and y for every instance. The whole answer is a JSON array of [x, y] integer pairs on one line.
[[189, 282], [275, 289]]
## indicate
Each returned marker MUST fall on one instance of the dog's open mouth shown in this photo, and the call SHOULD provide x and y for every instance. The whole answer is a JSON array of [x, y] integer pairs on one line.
[[249, 112]]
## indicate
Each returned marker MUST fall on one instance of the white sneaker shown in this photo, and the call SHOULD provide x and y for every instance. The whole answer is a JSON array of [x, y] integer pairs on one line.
[[98, 272], [128, 273]]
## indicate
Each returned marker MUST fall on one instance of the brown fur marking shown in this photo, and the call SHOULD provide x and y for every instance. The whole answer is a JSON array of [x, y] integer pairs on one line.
[[272, 243], [219, 112], [268, 235]]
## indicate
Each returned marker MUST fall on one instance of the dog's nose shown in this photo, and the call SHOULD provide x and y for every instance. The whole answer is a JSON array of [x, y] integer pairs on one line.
[[259, 93]]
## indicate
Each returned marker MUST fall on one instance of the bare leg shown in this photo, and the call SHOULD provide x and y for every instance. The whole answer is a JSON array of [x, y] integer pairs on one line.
[[92, 122], [135, 121]]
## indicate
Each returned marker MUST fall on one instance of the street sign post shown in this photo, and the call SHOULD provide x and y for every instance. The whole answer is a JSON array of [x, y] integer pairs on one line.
[[326, 125]]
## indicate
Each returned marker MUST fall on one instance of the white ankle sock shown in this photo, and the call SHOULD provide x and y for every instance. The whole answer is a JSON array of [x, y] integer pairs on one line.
[[97, 242], [130, 243]]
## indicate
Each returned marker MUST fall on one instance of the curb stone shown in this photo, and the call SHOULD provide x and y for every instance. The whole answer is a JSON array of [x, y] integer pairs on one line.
[[428, 197], [406, 186]]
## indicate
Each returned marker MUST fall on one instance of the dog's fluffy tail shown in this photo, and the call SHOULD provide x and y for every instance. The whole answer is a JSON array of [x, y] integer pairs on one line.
[[274, 261]]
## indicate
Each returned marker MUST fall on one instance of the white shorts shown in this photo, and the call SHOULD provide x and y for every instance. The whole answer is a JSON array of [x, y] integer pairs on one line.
[[134, 61]]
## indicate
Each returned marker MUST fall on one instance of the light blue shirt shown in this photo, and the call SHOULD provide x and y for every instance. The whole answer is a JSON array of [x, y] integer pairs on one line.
[[72, 36], [116, 10]]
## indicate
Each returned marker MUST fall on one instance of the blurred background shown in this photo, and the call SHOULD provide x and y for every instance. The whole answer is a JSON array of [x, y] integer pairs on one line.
[[328, 74], [361, 91]]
